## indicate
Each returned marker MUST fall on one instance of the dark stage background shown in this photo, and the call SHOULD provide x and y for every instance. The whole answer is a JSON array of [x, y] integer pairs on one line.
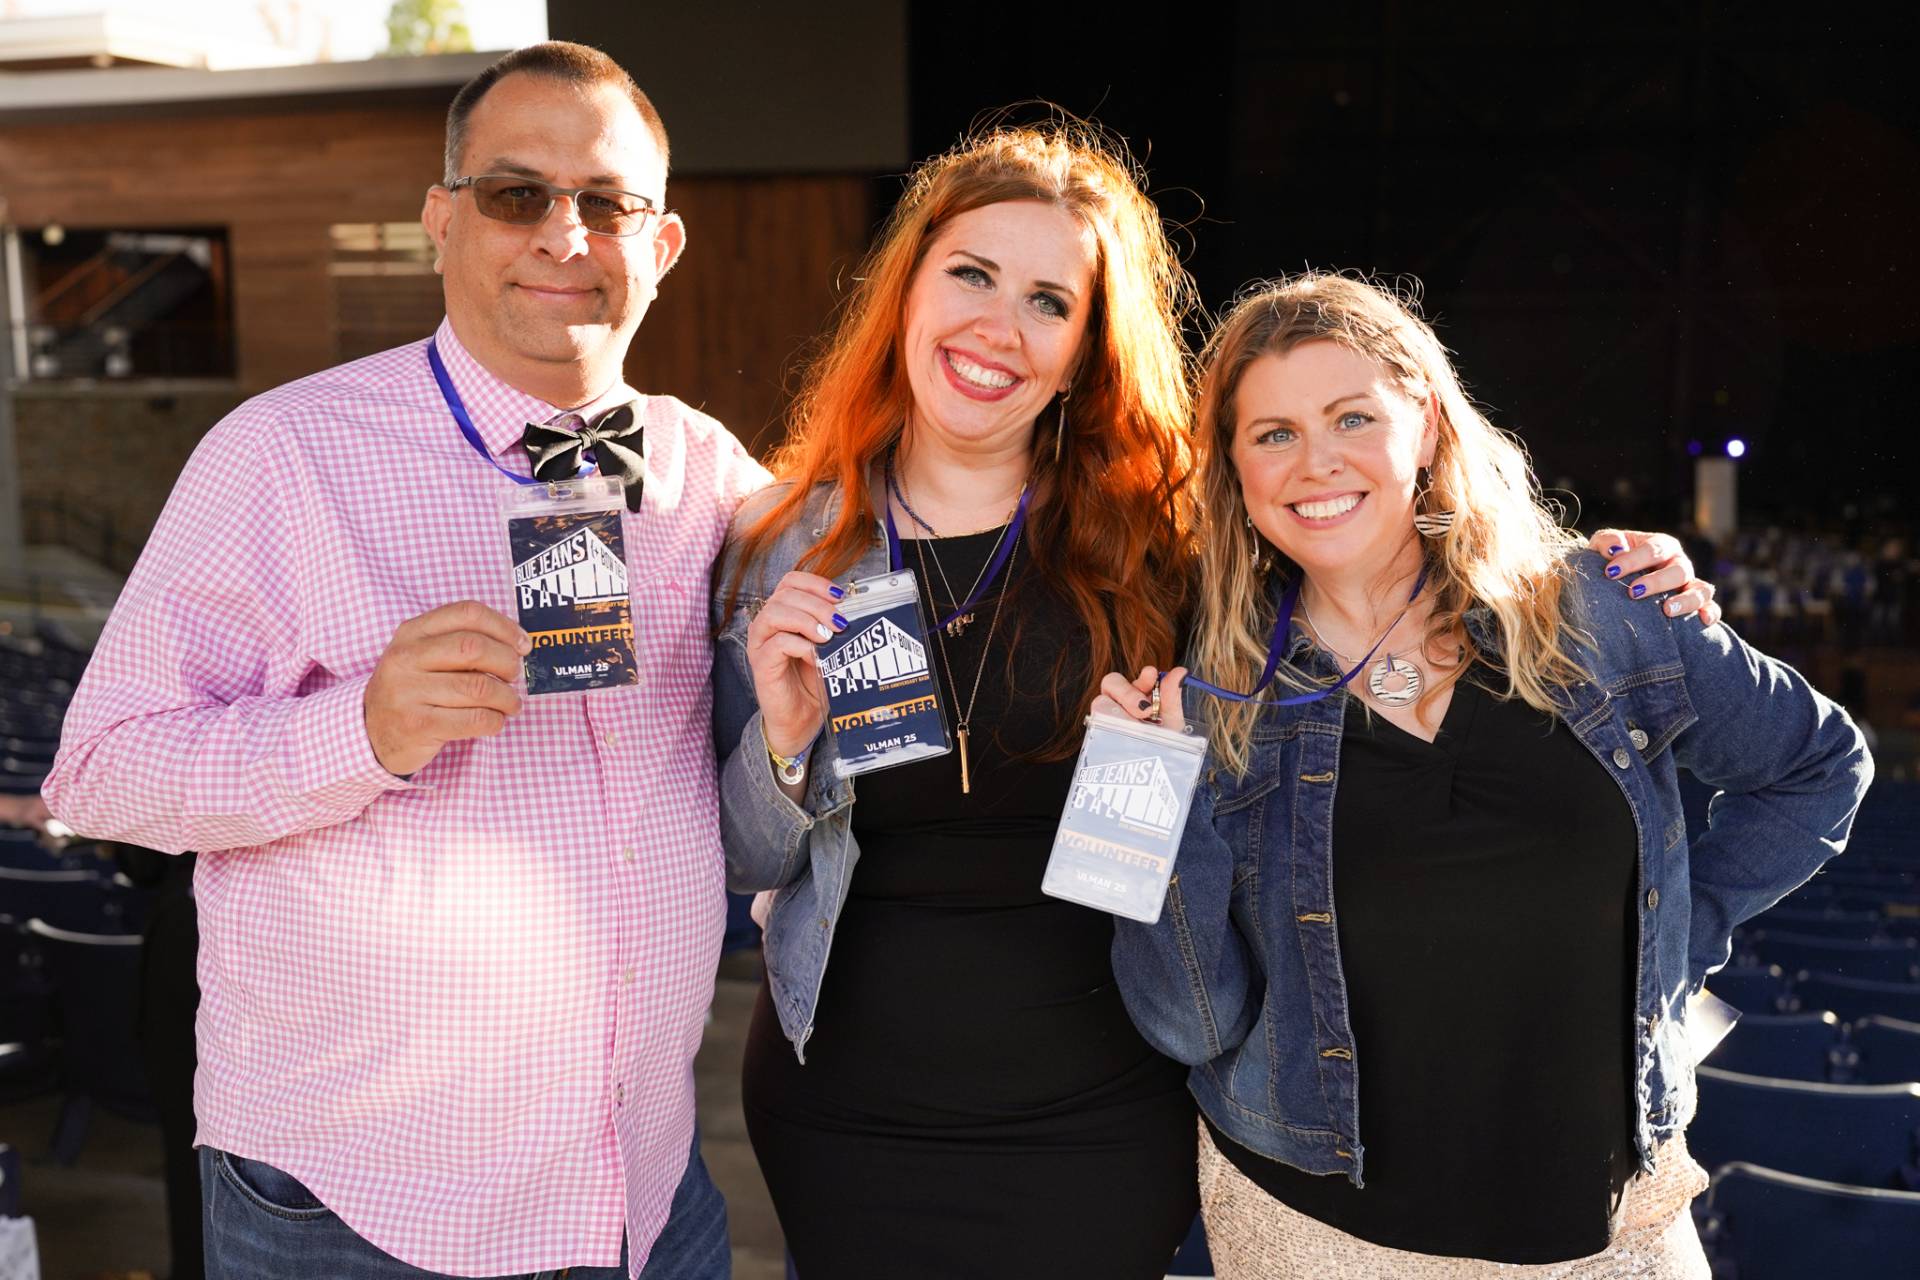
[[1639, 225]]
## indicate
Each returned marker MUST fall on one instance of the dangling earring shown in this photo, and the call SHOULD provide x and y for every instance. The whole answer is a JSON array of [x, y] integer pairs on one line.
[[1060, 423], [1432, 524], [1253, 537]]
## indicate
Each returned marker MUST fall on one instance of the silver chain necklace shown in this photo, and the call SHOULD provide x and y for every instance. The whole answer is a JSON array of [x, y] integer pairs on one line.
[[958, 626], [1393, 682]]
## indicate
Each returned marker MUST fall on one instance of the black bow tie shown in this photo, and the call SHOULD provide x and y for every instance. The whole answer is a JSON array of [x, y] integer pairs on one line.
[[614, 437]]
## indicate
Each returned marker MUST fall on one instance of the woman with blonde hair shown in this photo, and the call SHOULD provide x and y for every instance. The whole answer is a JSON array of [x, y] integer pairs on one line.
[[1442, 853]]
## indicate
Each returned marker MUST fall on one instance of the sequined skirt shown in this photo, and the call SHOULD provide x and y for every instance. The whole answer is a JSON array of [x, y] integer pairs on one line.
[[1254, 1237]]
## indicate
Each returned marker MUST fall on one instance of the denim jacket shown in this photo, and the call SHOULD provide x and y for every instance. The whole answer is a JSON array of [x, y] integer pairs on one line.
[[1241, 976], [805, 851]]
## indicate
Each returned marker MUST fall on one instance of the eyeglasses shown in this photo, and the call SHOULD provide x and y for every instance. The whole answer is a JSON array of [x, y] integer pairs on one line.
[[526, 201]]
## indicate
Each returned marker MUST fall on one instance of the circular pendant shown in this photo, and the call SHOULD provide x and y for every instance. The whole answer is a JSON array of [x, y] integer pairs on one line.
[[1394, 682]]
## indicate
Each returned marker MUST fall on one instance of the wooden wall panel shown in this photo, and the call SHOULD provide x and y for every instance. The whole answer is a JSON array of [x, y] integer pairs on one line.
[[275, 180], [767, 256], [765, 263]]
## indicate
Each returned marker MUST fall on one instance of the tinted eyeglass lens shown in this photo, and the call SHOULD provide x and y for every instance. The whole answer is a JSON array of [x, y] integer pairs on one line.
[[525, 201]]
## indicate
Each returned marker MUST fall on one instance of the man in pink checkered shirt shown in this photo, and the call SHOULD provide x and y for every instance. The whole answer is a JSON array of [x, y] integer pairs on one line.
[[457, 947]]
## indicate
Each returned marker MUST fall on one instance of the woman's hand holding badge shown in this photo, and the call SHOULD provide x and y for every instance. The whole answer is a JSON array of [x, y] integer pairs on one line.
[[1136, 698], [801, 613]]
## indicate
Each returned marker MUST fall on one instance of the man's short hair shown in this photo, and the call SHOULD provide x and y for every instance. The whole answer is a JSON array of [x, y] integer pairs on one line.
[[561, 60]]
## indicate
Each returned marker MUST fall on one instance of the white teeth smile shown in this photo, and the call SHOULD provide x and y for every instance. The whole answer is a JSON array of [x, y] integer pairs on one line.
[[987, 379], [1329, 509]]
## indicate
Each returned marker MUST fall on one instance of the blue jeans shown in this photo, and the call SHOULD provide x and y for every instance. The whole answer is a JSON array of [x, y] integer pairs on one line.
[[262, 1224]]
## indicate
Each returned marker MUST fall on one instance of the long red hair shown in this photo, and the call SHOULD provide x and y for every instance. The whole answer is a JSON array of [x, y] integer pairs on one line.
[[1110, 523]]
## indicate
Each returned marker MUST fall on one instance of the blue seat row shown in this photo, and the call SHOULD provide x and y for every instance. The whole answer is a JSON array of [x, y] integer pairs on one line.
[[1770, 989], [1770, 1225], [1819, 1047]]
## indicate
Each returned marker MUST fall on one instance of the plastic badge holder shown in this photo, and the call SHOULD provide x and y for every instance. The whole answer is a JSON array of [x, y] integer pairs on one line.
[[1132, 788], [883, 701], [569, 557]]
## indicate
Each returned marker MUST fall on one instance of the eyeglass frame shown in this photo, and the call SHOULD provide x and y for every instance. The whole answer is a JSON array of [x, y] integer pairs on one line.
[[554, 192]]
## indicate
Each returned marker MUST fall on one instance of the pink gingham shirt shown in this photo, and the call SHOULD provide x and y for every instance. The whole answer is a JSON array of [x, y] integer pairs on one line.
[[462, 1008]]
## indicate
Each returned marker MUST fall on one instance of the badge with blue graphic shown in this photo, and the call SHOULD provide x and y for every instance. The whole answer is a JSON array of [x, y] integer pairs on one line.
[[570, 584], [883, 700], [1128, 807]]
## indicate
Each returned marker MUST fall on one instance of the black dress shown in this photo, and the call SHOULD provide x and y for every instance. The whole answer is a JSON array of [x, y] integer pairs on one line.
[[975, 1101], [1484, 886]]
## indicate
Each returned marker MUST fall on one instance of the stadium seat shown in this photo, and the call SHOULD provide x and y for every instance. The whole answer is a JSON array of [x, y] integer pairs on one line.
[[81, 900], [1864, 1135], [22, 851], [1885, 960], [1856, 925], [1888, 1050], [1778, 1226], [1856, 998], [1787, 1046], [1751, 988], [95, 980]]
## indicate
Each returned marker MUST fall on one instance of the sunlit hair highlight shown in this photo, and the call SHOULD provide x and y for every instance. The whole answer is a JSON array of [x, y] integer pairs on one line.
[[1110, 521], [1506, 550]]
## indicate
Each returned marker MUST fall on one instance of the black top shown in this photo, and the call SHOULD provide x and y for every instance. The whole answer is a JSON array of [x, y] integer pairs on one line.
[[1485, 887], [957, 992]]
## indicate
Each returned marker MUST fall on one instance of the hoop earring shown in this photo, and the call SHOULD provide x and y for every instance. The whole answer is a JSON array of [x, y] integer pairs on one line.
[[1432, 524], [1060, 423]]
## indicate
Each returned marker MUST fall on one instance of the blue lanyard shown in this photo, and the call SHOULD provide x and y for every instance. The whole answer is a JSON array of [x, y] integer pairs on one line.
[[1279, 642], [894, 560], [458, 409]]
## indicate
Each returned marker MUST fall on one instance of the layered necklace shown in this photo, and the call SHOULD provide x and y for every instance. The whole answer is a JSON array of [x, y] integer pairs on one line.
[[1002, 556], [1393, 681]]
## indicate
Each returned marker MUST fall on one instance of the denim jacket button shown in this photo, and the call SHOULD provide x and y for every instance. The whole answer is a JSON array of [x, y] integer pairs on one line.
[[1639, 739], [1620, 758], [1653, 899]]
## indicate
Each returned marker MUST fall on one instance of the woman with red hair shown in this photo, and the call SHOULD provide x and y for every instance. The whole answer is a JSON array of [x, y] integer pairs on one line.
[[973, 1094]]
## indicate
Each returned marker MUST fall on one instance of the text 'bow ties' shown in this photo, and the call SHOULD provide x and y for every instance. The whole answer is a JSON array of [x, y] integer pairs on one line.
[[614, 439]]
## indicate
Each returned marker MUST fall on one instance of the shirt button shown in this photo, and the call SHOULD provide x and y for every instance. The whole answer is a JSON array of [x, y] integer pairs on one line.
[[619, 1095], [612, 738], [626, 978], [1653, 899], [627, 853], [1638, 737], [1620, 758]]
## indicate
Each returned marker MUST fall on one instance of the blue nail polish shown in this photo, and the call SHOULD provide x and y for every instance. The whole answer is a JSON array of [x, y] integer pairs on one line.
[[839, 593], [839, 623], [1639, 589], [1615, 549], [1613, 571]]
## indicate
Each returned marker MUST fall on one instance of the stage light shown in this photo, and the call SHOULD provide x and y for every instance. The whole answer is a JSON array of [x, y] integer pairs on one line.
[[1736, 448], [1693, 448]]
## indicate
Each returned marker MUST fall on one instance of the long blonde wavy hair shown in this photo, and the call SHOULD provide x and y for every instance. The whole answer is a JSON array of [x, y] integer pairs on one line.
[[1505, 551]]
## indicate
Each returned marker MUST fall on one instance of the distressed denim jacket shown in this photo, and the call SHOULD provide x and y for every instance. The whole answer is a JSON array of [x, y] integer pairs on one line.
[[805, 851], [1241, 976]]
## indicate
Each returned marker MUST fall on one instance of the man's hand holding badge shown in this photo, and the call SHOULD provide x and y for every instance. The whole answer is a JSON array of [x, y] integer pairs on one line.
[[446, 675]]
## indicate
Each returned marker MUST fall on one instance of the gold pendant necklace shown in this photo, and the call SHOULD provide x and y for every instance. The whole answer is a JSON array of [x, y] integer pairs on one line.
[[965, 718]]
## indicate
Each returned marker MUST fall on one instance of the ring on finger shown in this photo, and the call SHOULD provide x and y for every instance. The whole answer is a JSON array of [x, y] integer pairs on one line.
[[1153, 710]]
